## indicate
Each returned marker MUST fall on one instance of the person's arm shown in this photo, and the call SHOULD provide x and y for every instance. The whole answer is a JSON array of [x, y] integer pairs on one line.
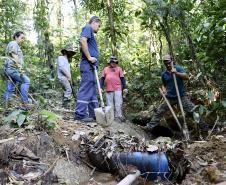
[[84, 46], [123, 81], [66, 73], [16, 59], [85, 36], [180, 73], [12, 48], [62, 68], [102, 82], [164, 89]]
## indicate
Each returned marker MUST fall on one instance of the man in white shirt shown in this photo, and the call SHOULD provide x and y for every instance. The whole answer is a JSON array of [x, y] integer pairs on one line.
[[64, 73]]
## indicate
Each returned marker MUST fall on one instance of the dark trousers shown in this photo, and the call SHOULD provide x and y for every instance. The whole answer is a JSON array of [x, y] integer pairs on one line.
[[87, 95]]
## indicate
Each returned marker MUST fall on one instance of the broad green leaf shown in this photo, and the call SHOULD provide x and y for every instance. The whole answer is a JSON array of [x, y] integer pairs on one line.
[[13, 116], [49, 115], [201, 109], [223, 103], [196, 117], [21, 119], [210, 95]]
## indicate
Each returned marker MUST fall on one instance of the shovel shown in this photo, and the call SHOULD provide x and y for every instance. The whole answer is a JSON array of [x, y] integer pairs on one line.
[[104, 115], [173, 113], [181, 106]]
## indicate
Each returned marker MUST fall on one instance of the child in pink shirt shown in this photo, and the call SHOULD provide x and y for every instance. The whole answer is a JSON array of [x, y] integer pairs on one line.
[[113, 78]]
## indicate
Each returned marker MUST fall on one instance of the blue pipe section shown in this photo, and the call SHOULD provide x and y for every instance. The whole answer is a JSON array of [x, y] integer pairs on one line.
[[151, 165]]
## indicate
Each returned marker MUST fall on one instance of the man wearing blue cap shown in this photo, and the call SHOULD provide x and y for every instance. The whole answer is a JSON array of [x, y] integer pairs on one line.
[[87, 95]]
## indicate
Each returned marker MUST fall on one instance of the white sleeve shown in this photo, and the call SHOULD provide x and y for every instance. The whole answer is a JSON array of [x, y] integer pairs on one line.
[[60, 62]]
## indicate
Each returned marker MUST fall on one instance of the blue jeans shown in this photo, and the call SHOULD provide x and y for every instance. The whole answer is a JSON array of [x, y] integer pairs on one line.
[[17, 77]]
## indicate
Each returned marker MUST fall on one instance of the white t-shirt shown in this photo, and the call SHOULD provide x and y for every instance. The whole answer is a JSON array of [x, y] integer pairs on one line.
[[63, 64]]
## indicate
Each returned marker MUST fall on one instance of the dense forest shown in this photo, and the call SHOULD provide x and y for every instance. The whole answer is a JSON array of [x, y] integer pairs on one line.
[[139, 33]]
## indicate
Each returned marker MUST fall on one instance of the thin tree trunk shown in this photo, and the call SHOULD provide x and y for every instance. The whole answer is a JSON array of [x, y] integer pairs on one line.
[[168, 36], [76, 16], [166, 30], [112, 27], [189, 38], [59, 19], [160, 47], [150, 51]]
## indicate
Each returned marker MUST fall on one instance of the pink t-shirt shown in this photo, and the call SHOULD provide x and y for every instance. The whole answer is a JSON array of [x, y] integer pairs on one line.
[[112, 78]]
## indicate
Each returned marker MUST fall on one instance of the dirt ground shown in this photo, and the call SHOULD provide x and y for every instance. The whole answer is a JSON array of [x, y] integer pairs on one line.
[[60, 150]]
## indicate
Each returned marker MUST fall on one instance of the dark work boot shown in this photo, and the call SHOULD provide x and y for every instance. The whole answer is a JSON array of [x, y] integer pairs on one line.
[[204, 127], [149, 127], [65, 103]]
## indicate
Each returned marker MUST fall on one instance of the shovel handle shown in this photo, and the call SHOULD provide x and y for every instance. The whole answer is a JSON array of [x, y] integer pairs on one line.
[[171, 109], [174, 115], [98, 86], [180, 104], [178, 94]]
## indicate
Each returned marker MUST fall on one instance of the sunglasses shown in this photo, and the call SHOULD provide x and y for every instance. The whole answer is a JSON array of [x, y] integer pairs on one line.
[[167, 61]]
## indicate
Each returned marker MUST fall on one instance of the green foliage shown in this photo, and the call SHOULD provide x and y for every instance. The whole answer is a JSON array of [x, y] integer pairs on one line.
[[48, 119], [141, 28], [41, 15], [17, 116], [142, 94], [121, 17], [11, 15]]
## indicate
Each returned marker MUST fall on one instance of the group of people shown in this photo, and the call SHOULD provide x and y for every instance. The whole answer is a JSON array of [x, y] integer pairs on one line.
[[112, 77]]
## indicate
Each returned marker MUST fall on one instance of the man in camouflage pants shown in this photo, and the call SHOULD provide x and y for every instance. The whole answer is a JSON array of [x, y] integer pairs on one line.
[[170, 91]]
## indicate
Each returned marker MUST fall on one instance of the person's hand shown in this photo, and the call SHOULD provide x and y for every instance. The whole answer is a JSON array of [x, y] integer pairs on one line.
[[173, 70], [125, 91], [20, 69], [101, 90], [163, 90], [92, 60], [19, 66]]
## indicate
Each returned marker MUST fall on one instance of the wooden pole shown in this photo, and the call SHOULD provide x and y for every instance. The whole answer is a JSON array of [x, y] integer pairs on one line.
[[181, 106], [171, 109]]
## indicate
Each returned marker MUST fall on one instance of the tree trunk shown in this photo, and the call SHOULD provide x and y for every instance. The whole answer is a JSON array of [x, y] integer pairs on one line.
[[166, 30], [189, 38], [59, 19], [160, 47], [76, 16], [49, 53], [168, 36], [112, 27]]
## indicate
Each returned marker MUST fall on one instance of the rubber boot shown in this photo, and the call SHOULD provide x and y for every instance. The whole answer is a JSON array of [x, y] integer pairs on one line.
[[203, 127], [65, 103], [149, 127]]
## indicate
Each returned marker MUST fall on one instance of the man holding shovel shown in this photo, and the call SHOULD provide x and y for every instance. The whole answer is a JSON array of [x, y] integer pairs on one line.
[[87, 95], [64, 73], [170, 91]]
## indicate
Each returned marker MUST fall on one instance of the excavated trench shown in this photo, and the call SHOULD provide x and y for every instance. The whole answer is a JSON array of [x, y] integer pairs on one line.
[[54, 159], [161, 165]]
